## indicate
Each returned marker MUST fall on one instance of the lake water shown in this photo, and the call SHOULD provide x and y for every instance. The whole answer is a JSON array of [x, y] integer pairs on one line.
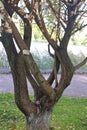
[[42, 48]]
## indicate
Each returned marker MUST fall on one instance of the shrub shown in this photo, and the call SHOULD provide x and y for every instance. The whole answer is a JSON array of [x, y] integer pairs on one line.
[[75, 58], [3, 60], [43, 60]]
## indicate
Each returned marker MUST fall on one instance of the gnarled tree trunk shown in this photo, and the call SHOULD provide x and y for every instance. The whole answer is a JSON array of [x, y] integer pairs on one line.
[[39, 121], [23, 65]]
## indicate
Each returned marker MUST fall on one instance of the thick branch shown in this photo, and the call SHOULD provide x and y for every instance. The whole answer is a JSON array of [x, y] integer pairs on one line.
[[21, 90], [80, 64], [18, 10], [29, 59], [19, 87], [44, 85], [8, 43], [27, 33], [31, 79], [67, 71], [8, 8], [68, 32], [16, 34], [27, 23], [35, 85]]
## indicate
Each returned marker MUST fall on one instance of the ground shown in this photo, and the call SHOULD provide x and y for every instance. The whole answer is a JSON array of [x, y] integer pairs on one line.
[[78, 86]]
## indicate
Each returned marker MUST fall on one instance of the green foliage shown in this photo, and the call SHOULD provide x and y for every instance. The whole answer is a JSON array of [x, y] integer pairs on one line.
[[37, 34], [79, 38], [44, 61], [69, 114], [84, 42], [76, 59]]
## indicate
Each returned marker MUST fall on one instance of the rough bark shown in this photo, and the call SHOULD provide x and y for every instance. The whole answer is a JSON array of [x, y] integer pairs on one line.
[[22, 65], [38, 121]]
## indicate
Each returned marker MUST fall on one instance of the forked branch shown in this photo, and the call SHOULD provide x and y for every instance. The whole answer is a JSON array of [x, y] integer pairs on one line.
[[45, 86]]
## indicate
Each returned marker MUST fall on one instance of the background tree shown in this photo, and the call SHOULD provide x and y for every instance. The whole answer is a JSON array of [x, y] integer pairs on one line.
[[58, 20]]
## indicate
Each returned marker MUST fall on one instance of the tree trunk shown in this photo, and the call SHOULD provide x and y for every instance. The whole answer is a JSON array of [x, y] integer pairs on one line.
[[38, 121]]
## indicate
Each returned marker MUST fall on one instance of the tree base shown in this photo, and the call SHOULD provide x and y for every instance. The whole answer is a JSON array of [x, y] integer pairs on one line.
[[38, 121]]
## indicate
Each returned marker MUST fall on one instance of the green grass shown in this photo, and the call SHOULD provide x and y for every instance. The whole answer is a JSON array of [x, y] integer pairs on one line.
[[69, 114]]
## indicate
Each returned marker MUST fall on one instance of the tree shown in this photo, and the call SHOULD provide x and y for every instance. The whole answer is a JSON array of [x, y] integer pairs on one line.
[[58, 20]]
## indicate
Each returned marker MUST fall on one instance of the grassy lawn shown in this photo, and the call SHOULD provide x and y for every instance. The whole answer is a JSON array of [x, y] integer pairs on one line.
[[69, 114]]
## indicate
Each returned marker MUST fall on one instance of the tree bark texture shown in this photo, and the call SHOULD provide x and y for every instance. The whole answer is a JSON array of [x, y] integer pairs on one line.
[[23, 65], [38, 121]]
